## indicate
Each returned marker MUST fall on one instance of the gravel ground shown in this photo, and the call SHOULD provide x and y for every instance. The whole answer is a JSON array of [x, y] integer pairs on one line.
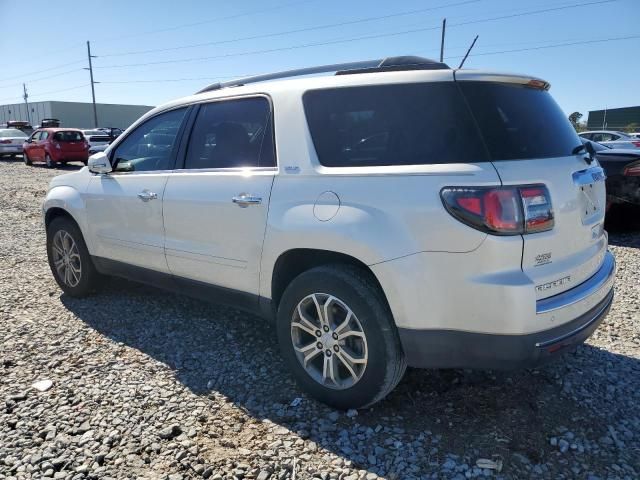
[[150, 385]]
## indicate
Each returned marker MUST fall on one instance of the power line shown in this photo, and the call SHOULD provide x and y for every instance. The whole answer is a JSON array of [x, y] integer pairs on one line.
[[43, 78], [353, 39], [557, 45], [204, 22], [298, 30], [539, 47], [46, 93], [42, 70]]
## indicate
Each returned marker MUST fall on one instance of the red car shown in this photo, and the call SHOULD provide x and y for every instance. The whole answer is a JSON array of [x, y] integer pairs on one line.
[[56, 145]]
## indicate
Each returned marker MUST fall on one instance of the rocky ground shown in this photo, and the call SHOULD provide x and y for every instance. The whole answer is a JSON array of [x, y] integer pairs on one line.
[[150, 385]]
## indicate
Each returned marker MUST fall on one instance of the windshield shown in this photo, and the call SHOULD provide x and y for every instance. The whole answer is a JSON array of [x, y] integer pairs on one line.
[[12, 132], [519, 122]]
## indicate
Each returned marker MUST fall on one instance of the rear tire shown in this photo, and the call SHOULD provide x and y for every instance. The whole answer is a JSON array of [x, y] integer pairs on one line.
[[336, 313], [69, 259], [27, 160], [50, 163]]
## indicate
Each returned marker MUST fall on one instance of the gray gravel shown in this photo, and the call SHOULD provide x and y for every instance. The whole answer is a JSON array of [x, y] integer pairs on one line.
[[150, 385]]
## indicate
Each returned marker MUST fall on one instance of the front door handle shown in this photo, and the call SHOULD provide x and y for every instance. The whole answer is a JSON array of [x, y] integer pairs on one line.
[[146, 195], [244, 200]]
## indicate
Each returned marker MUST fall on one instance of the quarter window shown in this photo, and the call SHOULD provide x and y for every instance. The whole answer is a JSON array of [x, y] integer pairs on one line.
[[231, 134], [150, 146]]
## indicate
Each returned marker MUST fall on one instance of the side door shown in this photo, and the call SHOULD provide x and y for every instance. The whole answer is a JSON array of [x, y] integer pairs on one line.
[[31, 146], [124, 207], [216, 202]]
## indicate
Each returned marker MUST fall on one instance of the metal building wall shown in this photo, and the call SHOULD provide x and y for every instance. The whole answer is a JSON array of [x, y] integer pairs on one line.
[[616, 118], [75, 114]]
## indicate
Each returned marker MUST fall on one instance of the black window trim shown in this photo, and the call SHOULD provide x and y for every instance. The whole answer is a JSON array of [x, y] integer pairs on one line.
[[186, 137], [174, 151]]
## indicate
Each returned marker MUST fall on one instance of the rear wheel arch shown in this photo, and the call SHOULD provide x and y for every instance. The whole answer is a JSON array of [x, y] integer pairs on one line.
[[292, 263]]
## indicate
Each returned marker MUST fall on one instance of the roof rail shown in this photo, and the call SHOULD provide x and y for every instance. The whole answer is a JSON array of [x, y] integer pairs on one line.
[[389, 64]]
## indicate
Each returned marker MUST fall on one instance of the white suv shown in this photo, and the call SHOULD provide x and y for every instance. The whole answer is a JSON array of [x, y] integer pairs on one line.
[[398, 212]]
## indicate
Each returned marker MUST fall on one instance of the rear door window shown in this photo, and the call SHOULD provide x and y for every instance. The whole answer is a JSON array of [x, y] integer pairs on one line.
[[232, 134], [519, 122], [408, 124]]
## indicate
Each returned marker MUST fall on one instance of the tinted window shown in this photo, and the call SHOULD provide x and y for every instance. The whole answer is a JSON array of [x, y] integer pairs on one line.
[[68, 137], [149, 146], [519, 122], [232, 133], [405, 124]]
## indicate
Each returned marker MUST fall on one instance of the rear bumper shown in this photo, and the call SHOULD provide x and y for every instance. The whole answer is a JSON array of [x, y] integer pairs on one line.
[[440, 348], [5, 149]]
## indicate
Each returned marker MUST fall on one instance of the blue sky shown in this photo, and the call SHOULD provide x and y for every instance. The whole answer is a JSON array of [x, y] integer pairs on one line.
[[584, 76]]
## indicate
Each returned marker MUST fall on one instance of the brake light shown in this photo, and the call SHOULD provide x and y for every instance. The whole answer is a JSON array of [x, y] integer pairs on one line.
[[636, 143], [501, 210], [5, 141], [632, 170]]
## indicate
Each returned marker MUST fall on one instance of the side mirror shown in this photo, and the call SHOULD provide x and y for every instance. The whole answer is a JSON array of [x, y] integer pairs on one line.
[[99, 163], [590, 150]]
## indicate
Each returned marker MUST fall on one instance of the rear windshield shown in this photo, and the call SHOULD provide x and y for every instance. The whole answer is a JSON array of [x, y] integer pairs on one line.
[[408, 124], [94, 132], [12, 133], [68, 137], [519, 123]]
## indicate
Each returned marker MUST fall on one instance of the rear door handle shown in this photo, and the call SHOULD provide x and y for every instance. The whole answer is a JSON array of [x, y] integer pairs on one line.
[[244, 200], [146, 195]]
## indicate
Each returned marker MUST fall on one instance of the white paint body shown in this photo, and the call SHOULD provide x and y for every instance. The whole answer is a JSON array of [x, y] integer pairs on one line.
[[436, 272]]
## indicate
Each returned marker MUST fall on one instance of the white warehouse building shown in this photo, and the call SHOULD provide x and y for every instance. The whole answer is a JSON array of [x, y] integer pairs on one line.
[[74, 114]]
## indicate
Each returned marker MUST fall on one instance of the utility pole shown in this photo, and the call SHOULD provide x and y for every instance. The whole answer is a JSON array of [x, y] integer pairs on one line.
[[93, 91], [26, 96], [444, 27], [604, 119], [468, 51]]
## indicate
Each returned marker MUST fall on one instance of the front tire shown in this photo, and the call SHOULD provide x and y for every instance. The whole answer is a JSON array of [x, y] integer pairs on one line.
[[69, 259], [50, 163], [27, 160], [338, 337]]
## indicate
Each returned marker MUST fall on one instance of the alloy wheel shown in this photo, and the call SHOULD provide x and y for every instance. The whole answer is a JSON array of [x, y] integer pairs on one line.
[[329, 341], [66, 258]]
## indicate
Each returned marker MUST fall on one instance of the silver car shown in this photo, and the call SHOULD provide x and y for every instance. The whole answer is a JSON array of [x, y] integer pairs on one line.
[[98, 140], [11, 140], [611, 138]]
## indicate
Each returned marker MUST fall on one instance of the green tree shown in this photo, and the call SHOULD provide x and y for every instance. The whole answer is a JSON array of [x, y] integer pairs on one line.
[[632, 128], [574, 118]]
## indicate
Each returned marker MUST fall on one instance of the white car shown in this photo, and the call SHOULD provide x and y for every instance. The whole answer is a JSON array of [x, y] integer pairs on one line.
[[11, 141], [98, 140], [612, 139], [398, 212]]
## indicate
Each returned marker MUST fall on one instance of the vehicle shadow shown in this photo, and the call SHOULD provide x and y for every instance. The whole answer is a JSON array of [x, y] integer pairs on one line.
[[623, 225], [474, 414]]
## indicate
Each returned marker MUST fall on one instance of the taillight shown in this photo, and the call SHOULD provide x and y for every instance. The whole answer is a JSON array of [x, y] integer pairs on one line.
[[636, 143], [632, 170], [501, 210], [5, 141]]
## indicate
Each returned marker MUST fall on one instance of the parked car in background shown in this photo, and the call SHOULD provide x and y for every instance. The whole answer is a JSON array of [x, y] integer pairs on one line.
[[622, 167], [611, 138], [469, 186], [113, 132], [11, 140], [634, 135], [49, 123], [19, 125], [56, 145], [98, 140]]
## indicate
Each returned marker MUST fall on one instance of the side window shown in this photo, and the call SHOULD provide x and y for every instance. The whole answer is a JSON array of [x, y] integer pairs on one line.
[[35, 136], [149, 146], [44, 135], [232, 133]]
